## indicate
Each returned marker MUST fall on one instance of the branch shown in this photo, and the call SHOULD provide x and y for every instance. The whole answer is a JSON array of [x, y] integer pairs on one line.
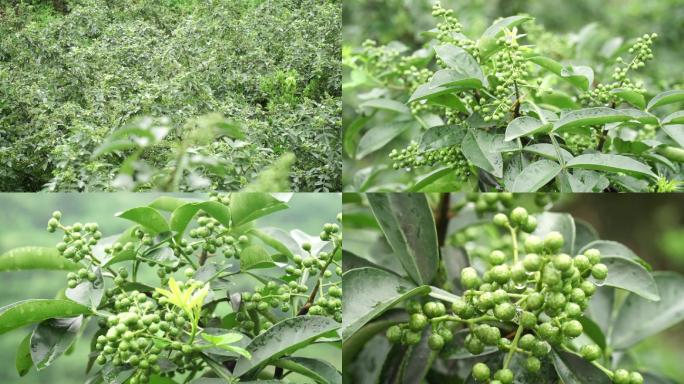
[[442, 218]]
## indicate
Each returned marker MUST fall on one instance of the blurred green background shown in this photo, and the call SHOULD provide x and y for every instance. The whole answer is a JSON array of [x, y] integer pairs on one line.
[[24, 218], [653, 227]]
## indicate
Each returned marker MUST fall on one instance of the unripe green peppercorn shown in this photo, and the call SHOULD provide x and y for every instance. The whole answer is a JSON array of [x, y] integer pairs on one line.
[[533, 244], [519, 216], [504, 311], [594, 255], [572, 328], [497, 257], [411, 338], [500, 219], [434, 309], [553, 241], [562, 262], [599, 271], [532, 364], [635, 378], [621, 376], [481, 372], [505, 376], [530, 224], [435, 342], [590, 352], [469, 278], [527, 341], [417, 322]]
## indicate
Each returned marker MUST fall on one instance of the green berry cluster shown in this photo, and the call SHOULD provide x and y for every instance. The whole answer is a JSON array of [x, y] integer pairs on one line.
[[518, 304], [580, 142], [490, 201], [412, 157], [449, 30], [145, 328], [256, 312], [602, 94], [510, 74]]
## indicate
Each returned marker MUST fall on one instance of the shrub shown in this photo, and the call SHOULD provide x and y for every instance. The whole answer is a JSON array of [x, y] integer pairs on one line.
[[201, 294], [509, 110], [486, 290], [69, 80]]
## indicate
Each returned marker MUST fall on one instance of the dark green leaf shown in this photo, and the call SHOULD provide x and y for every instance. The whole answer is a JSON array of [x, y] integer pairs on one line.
[[455, 78], [631, 276], [369, 292], [148, 217], [387, 105], [254, 256], [23, 360], [284, 338], [633, 97], [320, 371], [27, 312], [573, 369], [611, 163], [246, 207], [665, 98], [572, 120], [441, 137], [381, 135], [535, 176], [526, 126], [408, 225], [580, 77], [482, 149], [52, 338]]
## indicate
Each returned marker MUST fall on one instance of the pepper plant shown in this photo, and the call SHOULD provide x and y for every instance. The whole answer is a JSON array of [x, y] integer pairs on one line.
[[510, 110], [193, 291], [485, 290]]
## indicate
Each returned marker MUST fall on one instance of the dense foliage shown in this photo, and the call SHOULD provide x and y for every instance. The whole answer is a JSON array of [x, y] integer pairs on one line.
[[229, 299], [486, 290], [513, 109], [71, 77]]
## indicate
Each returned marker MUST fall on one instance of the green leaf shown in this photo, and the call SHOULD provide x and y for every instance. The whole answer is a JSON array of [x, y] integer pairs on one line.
[[167, 203], [183, 215], [254, 256], [638, 318], [246, 207], [674, 118], [23, 360], [548, 151], [633, 97], [27, 312], [665, 98], [351, 134], [387, 105], [442, 136], [284, 338], [52, 338], [535, 176], [408, 225], [487, 42], [455, 78], [277, 239], [572, 120], [676, 132], [482, 149], [594, 331], [113, 146], [320, 371], [573, 369], [426, 91], [427, 180], [381, 135], [631, 276], [580, 77], [460, 60], [27, 258], [369, 292], [525, 126], [614, 249], [148, 217], [611, 163]]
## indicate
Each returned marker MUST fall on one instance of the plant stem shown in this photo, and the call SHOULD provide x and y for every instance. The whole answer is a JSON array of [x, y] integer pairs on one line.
[[514, 240], [514, 346]]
